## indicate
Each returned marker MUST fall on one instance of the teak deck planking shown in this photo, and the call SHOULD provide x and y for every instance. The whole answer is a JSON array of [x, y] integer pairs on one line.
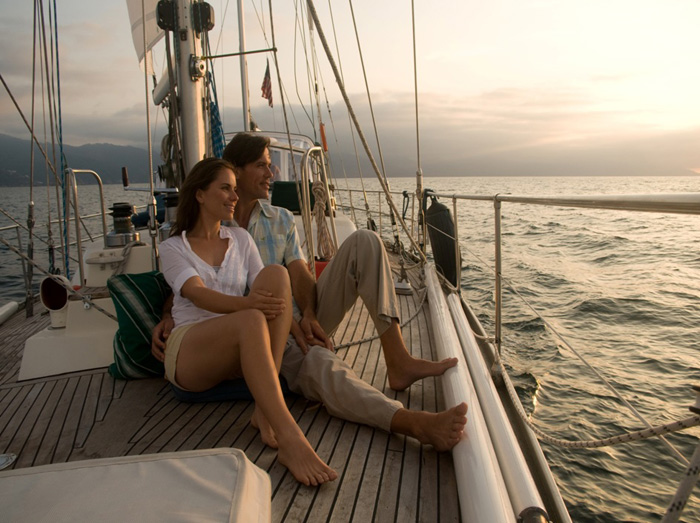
[[382, 477]]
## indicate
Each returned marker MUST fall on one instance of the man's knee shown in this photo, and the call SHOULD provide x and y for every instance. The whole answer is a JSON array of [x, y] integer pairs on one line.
[[365, 237], [320, 358]]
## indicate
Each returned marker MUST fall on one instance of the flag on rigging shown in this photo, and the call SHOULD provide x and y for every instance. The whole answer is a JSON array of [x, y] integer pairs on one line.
[[267, 85]]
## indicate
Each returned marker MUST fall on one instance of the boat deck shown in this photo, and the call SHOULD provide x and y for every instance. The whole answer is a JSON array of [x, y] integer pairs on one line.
[[90, 415]]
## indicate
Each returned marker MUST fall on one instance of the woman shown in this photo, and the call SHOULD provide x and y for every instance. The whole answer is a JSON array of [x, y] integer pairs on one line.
[[221, 334]]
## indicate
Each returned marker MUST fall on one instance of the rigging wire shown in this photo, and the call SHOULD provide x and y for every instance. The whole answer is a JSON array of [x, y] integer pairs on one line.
[[152, 225], [49, 210], [59, 123], [395, 230], [53, 75], [326, 154], [419, 169], [597, 373], [298, 23], [370, 156], [305, 216], [335, 134], [352, 135], [554, 331], [28, 274], [281, 83]]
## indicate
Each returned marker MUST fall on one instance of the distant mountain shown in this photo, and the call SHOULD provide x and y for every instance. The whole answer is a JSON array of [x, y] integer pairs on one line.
[[105, 159]]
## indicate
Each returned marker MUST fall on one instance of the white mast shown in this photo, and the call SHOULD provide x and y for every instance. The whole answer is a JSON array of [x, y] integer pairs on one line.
[[244, 67], [191, 70]]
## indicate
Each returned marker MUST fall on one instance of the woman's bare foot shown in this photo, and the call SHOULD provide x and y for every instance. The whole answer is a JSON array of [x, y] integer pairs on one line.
[[259, 421], [442, 430], [409, 370], [296, 454]]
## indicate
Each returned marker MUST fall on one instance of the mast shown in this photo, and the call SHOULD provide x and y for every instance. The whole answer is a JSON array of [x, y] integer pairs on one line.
[[190, 80], [244, 67]]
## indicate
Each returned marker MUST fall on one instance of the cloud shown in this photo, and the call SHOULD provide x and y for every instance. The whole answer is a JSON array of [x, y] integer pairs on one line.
[[518, 132]]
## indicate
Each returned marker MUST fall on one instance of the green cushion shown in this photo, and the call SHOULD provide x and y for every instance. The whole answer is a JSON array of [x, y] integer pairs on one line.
[[138, 300]]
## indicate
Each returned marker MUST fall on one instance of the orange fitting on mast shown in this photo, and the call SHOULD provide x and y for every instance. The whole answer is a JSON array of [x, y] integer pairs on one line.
[[323, 138]]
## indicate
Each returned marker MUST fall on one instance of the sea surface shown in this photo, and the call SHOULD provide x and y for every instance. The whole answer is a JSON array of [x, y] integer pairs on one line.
[[622, 288]]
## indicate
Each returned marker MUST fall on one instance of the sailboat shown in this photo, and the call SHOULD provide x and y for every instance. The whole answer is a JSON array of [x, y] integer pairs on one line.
[[68, 424]]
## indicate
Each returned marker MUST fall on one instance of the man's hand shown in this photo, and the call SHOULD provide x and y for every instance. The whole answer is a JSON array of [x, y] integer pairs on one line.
[[160, 335], [304, 340], [309, 332]]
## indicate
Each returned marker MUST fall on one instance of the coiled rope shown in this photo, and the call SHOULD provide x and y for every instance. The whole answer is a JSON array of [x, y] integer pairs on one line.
[[326, 249]]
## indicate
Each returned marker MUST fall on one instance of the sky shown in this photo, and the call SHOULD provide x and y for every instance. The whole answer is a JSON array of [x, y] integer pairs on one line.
[[544, 87]]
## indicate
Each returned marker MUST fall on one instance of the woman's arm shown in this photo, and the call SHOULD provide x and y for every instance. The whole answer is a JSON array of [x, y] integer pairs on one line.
[[204, 298]]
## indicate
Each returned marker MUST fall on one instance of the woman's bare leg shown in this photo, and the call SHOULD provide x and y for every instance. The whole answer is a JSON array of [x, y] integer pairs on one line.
[[274, 279], [235, 345]]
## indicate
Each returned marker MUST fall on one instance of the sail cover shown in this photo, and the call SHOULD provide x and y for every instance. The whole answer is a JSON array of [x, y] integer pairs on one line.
[[153, 32]]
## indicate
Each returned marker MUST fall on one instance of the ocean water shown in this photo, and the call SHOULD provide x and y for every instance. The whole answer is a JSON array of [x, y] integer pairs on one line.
[[623, 289], [14, 203]]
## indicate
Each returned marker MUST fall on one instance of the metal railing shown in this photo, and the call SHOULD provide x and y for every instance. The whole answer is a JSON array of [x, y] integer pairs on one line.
[[74, 218], [686, 203]]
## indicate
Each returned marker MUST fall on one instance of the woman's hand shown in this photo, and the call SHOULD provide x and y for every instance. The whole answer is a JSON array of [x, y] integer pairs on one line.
[[159, 337], [264, 301]]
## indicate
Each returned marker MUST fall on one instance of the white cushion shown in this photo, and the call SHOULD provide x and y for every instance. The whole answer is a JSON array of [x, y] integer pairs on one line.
[[192, 486]]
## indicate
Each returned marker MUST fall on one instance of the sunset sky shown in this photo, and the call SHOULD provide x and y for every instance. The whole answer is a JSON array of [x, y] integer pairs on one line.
[[505, 87]]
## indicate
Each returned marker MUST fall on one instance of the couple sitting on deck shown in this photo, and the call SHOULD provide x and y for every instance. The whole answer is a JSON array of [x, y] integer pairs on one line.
[[216, 333]]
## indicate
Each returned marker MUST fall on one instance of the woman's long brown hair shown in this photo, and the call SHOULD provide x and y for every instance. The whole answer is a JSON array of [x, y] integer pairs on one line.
[[201, 176]]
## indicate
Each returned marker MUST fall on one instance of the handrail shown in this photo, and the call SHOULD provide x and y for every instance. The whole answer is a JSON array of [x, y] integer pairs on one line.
[[102, 195], [72, 183], [677, 203]]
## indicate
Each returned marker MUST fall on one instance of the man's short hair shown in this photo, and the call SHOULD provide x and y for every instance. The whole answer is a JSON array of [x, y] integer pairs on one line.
[[245, 148]]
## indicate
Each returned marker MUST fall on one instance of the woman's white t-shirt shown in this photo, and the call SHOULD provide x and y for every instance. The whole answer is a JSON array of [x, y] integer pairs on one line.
[[239, 269]]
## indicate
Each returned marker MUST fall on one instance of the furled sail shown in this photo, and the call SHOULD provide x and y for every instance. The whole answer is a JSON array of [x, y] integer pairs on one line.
[[153, 32]]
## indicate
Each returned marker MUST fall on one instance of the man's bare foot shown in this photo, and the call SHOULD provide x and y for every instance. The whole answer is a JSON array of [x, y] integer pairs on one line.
[[442, 430], [296, 454], [409, 370], [259, 421]]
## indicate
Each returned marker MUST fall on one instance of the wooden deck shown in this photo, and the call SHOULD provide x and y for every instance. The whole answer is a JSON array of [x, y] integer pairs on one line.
[[90, 415]]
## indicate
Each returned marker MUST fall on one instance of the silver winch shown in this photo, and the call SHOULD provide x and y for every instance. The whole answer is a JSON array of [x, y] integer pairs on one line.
[[124, 232]]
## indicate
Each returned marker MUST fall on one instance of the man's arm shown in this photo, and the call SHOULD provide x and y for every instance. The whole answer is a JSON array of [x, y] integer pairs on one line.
[[304, 292]]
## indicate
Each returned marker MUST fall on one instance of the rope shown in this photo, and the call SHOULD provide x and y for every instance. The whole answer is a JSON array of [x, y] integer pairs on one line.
[[675, 508], [86, 298], [650, 432], [610, 387], [125, 256], [376, 336], [675, 451], [326, 249]]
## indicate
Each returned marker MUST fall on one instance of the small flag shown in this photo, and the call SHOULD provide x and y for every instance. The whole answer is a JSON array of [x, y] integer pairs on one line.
[[267, 85]]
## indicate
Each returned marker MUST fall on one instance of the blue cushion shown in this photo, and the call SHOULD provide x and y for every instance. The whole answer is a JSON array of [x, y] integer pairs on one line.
[[230, 390]]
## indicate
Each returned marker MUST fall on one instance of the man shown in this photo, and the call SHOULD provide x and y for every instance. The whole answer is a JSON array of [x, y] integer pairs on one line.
[[361, 267]]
